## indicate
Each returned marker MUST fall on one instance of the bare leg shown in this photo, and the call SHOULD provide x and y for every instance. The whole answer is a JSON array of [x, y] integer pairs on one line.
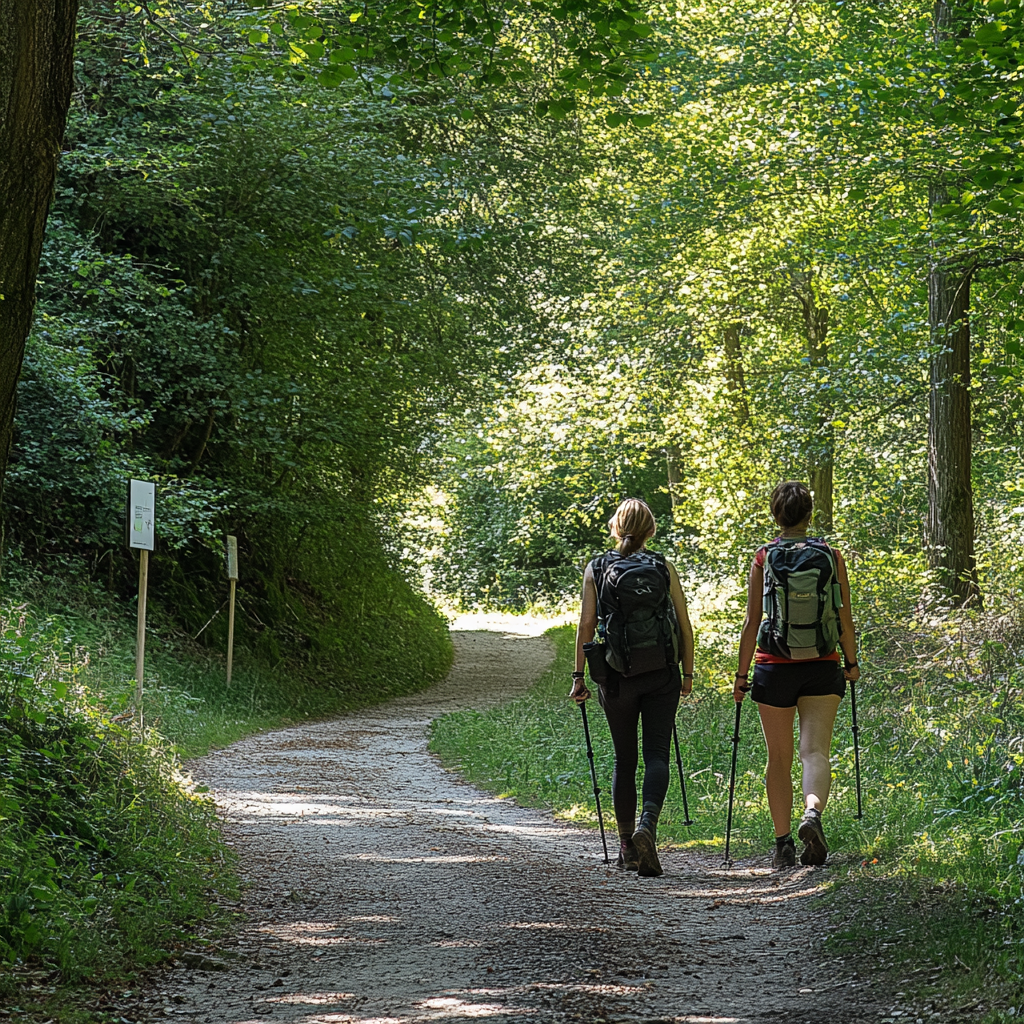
[[777, 725], [817, 717]]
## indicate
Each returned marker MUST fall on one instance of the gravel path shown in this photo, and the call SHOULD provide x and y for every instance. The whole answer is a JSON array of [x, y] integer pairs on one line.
[[383, 890]]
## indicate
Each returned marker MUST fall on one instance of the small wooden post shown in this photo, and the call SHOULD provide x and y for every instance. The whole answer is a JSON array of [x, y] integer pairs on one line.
[[232, 549], [140, 527], [140, 636]]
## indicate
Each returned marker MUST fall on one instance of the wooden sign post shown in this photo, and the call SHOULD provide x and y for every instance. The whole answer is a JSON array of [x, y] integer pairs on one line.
[[232, 553], [141, 530]]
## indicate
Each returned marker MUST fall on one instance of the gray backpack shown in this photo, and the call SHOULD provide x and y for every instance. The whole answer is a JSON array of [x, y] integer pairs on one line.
[[801, 599], [637, 619]]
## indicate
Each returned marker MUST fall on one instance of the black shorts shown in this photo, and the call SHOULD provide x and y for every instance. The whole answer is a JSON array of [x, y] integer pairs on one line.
[[780, 685]]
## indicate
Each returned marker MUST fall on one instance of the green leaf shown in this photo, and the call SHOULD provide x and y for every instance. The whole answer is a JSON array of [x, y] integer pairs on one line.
[[331, 77], [990, 33]]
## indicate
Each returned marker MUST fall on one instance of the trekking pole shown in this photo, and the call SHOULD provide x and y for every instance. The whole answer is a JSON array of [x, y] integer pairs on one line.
[[732, 783], [682, 781], [856, 745], [593, 776]]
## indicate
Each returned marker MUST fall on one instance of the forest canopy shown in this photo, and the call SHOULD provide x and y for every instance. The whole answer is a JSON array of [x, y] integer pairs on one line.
[[407, 298], [321, 288]]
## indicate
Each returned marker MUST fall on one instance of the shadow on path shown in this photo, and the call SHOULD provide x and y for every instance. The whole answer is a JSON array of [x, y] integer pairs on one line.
[[382, 890]]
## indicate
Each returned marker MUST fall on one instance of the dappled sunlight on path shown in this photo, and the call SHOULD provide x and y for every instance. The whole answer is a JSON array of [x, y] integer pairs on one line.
[[382, 890]]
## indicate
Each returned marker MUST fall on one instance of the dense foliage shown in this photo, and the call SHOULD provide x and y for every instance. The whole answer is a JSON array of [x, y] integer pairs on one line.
[[760, 308]]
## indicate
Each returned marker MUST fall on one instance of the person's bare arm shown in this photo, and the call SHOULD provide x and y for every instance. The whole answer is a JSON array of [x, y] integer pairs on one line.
[[685, 629], [585, 633], [847, 633], [751, 624]]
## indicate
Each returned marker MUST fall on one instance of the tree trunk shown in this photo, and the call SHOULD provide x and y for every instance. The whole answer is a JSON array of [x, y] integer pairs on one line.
[[674, 470], [735, 381], [37, 41], [949, 529], [821, 453]]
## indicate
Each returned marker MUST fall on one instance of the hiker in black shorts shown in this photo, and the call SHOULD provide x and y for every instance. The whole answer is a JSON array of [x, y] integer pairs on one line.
[[800, 585], [641, 616]]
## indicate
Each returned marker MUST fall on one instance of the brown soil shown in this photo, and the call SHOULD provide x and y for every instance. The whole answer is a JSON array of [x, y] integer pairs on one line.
[[381, 889]]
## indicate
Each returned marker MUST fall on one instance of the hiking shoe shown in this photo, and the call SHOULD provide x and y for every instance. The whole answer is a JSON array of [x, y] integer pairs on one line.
[[645, 841], [785, 854], [812, 835], [628, 859]]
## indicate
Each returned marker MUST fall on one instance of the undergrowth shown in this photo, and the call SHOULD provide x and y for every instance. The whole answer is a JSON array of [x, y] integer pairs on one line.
[[109, 859]]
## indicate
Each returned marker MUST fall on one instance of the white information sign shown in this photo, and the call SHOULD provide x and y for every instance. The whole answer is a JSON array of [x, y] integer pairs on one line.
[[232, 553], [141, 514]]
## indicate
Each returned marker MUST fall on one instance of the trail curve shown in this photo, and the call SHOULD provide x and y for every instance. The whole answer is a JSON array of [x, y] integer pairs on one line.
[[381, 889]]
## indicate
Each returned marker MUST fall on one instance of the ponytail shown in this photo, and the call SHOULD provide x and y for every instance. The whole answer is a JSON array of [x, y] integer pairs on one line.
[[632, 525]]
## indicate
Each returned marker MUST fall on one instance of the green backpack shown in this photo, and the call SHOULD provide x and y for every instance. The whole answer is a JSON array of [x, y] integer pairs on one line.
[[801, 599]]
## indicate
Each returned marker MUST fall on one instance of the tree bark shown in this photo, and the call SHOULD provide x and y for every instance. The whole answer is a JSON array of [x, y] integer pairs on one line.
[[735, 381], [821, 454], [949, 528], [37, 39], [674, 472]]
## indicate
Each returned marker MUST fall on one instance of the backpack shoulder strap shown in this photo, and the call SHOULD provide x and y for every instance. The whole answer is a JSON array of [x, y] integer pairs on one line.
[[599, 567], [837, 597], [829, 551]]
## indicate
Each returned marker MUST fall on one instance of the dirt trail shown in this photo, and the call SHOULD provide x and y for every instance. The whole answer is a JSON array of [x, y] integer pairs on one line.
[[382, 890]]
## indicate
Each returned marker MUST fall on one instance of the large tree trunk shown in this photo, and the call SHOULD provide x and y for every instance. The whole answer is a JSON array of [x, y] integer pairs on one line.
[[949, 529], [37, 39], [821, 454]]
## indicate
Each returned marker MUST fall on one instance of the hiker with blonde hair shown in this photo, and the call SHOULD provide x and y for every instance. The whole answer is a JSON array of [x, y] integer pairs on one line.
[[633, 601]]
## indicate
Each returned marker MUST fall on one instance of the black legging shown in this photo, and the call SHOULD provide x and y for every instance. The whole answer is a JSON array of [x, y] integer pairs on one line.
[[652, 698]]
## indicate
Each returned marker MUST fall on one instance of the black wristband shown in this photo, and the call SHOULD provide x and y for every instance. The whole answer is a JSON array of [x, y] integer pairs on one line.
[[850, 664], [577, 675], [687, 675], [739, 676]]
